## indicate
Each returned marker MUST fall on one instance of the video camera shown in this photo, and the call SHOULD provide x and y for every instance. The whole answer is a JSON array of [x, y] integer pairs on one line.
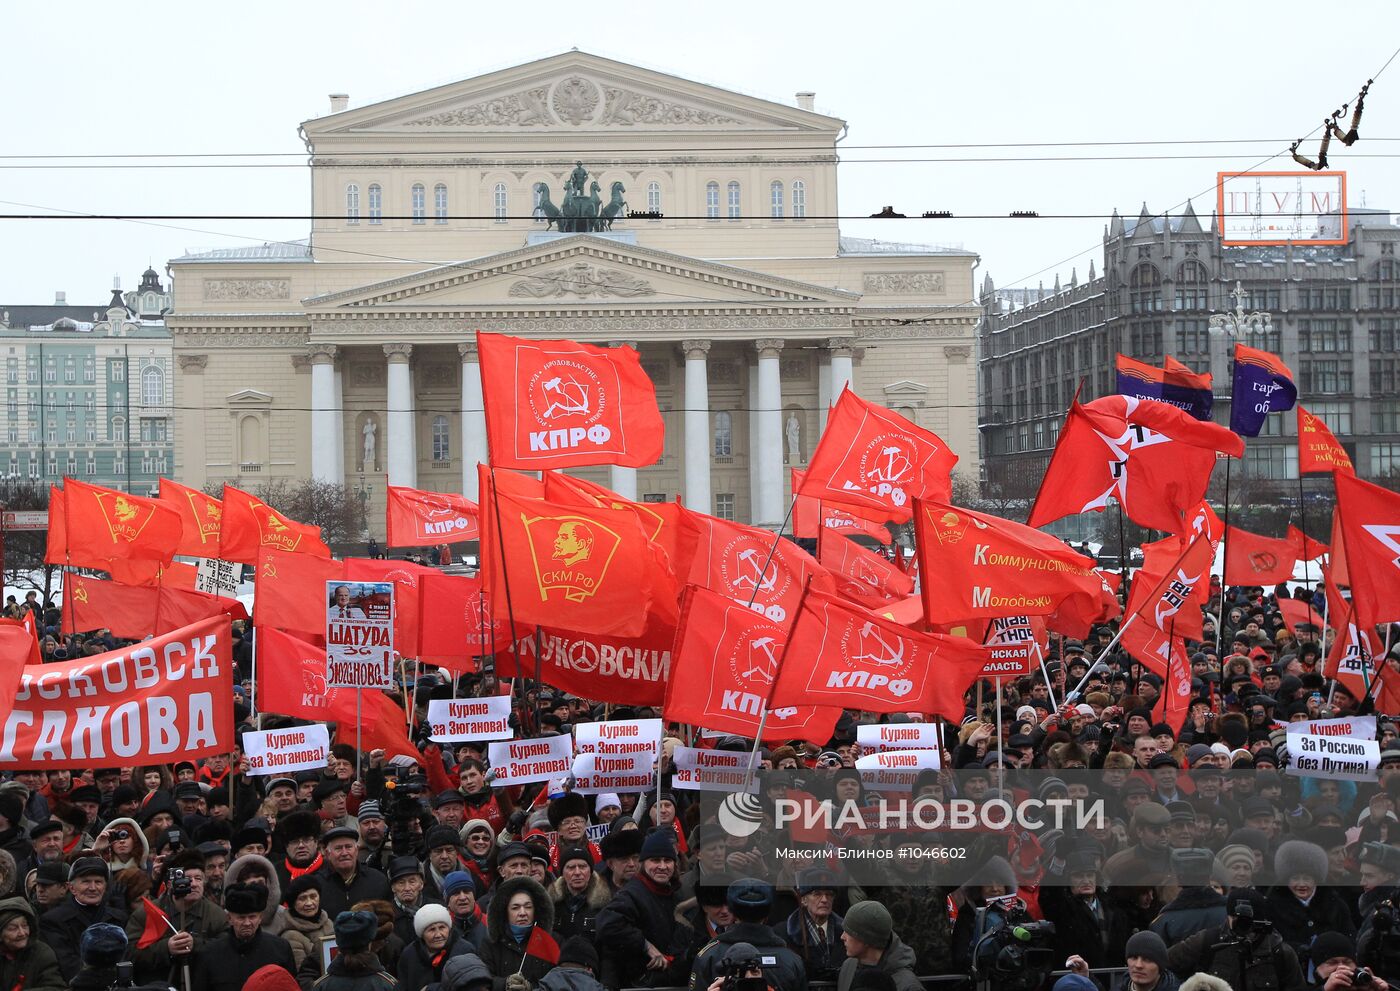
[[1010, 950], [734, 973], [180, 886], [401, 802]]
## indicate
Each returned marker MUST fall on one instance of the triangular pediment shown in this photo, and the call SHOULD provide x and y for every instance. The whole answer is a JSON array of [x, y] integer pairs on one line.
[[905, 389], [570, 92], [580, 270], [249, 397]]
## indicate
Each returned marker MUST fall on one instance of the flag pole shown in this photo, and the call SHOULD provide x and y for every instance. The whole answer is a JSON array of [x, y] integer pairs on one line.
[[1224, 552], [1303, 521], [1049, 688], [1001, 763], [772, 685], [505, 572], [1122, 559], [359, 731]]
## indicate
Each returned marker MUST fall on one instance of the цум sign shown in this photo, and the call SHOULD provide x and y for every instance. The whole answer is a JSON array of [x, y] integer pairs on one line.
[[453, 720], [1334, 748], [360, 634], [277, 751]]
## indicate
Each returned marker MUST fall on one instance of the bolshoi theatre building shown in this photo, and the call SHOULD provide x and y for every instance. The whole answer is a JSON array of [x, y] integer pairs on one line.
[[572, 197]]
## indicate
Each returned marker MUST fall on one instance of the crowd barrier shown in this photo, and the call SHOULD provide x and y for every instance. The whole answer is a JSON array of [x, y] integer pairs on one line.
[[947, 982]]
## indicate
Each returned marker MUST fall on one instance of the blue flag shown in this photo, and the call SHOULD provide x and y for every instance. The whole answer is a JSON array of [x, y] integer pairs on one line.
[[1174, 384], [1263, 385]]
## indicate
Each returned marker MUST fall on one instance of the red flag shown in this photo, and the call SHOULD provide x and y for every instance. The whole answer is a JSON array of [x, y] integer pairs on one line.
[[158, 926], [414, 517], [842, 655], [291, 591], [1152, 458], [1318, 449], [873, 457], [1254, 560], [1170, 601], [1337, 553], [659, 519], [1304, 547], [748, 564], [1297, 614], [56, 539], [101, 525], [405, 575], [176, 574], [201, 518], [725, 657], [21, 638], [624, 670], [1165, 655], [578, 568], [562, 404], [177, 607], [457, 622], [1352, 657], [1370, 524], [810, 516], [975, 565], [93, 604], [1077, 614], [249, 525], [861, 575], [542, 945]]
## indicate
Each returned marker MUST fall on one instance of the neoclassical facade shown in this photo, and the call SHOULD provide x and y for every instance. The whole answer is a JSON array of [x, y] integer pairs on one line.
[[508, 203]]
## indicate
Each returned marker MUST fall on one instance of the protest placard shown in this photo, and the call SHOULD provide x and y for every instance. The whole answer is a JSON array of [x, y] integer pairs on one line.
[[1007, 660], [710, 770], [882, 737], [595, 773], [895, 770], [278, 751], [622, 736], [1343, 749], [360, 634], [518, 762], [452, 720]]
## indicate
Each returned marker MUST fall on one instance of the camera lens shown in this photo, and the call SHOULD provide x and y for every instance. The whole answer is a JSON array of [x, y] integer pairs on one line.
[[121, 834]]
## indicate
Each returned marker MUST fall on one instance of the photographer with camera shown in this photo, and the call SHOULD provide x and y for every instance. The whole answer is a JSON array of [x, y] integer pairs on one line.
[[1245, 952], [1335, 967], [741, 970], [160, 955], [1378, 942]]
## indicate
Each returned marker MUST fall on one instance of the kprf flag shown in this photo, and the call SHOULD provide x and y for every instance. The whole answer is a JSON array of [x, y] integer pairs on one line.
[[291, 591], [93, 525], [562, 404], [588, 569], [842, 655], [250, 524], [860, 574], [1254, 560], [1370, 525], [1262, 385], [872, 457], [975, 565], [810, 516], [201, 518], [457, 621], [1153, 459], [1174, 384], [1170, 600], [1305, 548], [752, 566], [414, 517], [1318, 449], [725, 660]]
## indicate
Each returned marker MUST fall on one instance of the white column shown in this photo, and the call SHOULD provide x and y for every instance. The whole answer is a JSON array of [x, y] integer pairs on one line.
[[823, 393], [473, 419], [753, 440], [323, 411], [401, 459], [770, 433], [841, 372], [697, 426], [622, 480], [339, 424]]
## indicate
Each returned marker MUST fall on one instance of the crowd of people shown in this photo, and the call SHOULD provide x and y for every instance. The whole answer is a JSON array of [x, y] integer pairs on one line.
[[1212, 867]]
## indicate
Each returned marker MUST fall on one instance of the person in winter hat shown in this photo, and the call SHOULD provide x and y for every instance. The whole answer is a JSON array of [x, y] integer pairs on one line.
[[1300, 903], [577, 969], [100, 949], [271, 978], [638, 925], [300, 920], [356, 967], [750, 901], [424, 960], [872, 942], [226, 963], [26, 961], [1240, 952]]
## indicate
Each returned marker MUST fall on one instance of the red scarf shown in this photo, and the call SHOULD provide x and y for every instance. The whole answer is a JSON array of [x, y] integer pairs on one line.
[[296, 872]]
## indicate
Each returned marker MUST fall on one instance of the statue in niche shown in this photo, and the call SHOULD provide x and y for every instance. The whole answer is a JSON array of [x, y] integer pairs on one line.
[[794, 439], [370, 443]]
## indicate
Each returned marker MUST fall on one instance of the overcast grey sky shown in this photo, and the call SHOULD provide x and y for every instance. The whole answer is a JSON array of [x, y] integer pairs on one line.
[[180, 78]]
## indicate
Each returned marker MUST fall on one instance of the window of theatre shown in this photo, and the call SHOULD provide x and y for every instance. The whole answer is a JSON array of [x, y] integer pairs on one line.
[[734, 200], [352, 204], [654, 197], [440, 204], [376, 204], [724, 436], [799, 199], [712, 200], [419, 200], [499, 202], [775, 199], [442, 440]]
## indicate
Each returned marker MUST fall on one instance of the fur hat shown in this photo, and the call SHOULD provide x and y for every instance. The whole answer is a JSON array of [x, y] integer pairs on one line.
[[383, 913], [429, 914], [298, 825], [579, 951], [102, 945], [354, 931], [1204, 982], [245, 899], [659, 843], [621, 843], [1297, 857], [566, 806]]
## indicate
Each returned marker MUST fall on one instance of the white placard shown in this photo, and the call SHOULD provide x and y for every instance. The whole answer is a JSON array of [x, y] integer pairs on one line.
[[360, 635], [278, 751], [518, 762], [895, 770], [1344, 748], [623, 736], [876, 738], [710, 770], [596, 773], [454, 720], [217, 577]]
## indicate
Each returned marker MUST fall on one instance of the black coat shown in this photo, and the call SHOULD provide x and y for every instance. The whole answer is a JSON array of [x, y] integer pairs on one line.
[[786, 973], [635, 916], [1272, 964], [357, 972], [1078, 930], [416, 970], [62, 928], [1189, 912], [226, 964], [368, 884], [1298, 923]]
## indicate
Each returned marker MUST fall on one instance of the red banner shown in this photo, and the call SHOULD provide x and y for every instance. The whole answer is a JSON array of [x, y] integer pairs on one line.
[[871, 456], [1170, 599], [136, 611], [291, 591], [249, 524], [1318, 450], [163, 699], [810, 516], [1254, 560], [624, 670], [406, 577], [1305, 547], [1370, 526], [860, 574], [201, 518], [1297, 614], [562, 404], [457, 621], [414, 518], [659, 520], [94, 525], [725, 660]]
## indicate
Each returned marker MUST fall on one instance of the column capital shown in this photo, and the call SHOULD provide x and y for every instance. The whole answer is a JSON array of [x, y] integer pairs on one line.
[[398, 352], [321, 354], [467, 349], [193, 364], [768, 347], [696, 349], [634, 345], [841, 347]]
